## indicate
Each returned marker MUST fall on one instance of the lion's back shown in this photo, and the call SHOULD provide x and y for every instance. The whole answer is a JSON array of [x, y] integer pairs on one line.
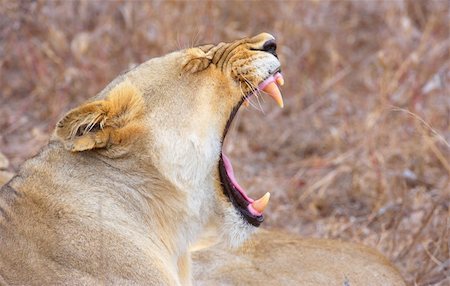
[[273, 258]]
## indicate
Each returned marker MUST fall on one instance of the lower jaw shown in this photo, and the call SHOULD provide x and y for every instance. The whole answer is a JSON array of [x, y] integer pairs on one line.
[[248, 213], [236, 199]]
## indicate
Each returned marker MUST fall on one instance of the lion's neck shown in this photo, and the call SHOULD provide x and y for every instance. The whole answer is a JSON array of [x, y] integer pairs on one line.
[[190, 157], [178, 216], [175, 216], [131, 186]]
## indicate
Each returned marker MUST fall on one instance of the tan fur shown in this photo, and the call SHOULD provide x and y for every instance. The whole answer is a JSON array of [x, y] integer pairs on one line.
[[5, 175], [117, 117], [276, 258], [130, 178]]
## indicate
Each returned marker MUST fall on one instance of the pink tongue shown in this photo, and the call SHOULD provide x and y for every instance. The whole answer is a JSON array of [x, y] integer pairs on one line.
[[230, 173]]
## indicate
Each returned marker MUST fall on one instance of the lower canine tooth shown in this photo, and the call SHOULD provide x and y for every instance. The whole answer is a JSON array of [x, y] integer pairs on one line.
[[261, 204]]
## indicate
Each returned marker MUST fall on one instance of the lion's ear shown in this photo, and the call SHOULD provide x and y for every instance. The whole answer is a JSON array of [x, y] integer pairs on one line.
[[103, 123], [196, 61]]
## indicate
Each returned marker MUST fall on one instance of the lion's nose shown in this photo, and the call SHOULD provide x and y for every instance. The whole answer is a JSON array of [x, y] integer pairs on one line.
[[264, 42], [271, 47]]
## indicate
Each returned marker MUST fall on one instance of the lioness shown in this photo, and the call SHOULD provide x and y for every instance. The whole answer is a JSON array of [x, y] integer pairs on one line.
[[130, 178], [276, 258]]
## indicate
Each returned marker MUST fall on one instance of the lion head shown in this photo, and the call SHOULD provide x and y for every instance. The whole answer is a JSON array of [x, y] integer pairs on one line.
[[171, 114]]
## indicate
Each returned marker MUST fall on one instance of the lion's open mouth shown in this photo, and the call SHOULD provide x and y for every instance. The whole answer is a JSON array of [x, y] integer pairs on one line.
[[251, 210]]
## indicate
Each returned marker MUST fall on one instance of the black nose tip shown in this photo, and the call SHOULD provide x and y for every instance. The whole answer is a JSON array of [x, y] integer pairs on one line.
[[271, 47]]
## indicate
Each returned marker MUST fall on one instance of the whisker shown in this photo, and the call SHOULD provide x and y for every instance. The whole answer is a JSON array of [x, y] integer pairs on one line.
[[196, 38], [260, 106], [249, 97], [256, 92], [257, 96], [246, 97], [252, 86], [178, 41], [251, 101]]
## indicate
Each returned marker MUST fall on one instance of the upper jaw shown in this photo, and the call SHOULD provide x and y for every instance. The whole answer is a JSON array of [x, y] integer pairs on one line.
[[270, 86], [261, 83], [256, 76]]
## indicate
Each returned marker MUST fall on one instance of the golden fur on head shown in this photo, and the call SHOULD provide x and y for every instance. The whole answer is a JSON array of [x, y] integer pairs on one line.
[[276, 258], [112, 121], [130, 178]]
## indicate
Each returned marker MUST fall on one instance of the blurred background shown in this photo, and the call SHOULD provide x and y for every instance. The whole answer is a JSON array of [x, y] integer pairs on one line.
[[359, 153]]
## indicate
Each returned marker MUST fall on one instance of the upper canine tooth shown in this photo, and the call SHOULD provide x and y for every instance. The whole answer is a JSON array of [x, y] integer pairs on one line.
[[273, 90], [261, 204]]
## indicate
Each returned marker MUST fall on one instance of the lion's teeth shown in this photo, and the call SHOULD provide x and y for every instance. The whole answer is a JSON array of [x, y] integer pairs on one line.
[[280, 80], [260, 204], [246, 103], [273, 90]]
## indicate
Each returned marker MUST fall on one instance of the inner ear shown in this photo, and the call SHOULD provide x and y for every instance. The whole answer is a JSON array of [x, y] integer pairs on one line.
[[197, 60], [85, 128], [103, 123]]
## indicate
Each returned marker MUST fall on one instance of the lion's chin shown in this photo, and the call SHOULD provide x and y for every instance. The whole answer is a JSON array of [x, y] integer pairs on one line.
[[235, 229], [226, 229]]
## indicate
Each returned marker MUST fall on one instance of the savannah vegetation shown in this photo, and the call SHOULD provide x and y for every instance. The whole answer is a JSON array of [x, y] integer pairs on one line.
[[361, 150]]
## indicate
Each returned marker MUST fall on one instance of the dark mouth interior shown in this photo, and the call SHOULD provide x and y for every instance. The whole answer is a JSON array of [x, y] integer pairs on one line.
[[229, 189]]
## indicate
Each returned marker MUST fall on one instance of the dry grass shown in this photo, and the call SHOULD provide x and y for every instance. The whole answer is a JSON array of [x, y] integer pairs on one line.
[[361, 151]]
